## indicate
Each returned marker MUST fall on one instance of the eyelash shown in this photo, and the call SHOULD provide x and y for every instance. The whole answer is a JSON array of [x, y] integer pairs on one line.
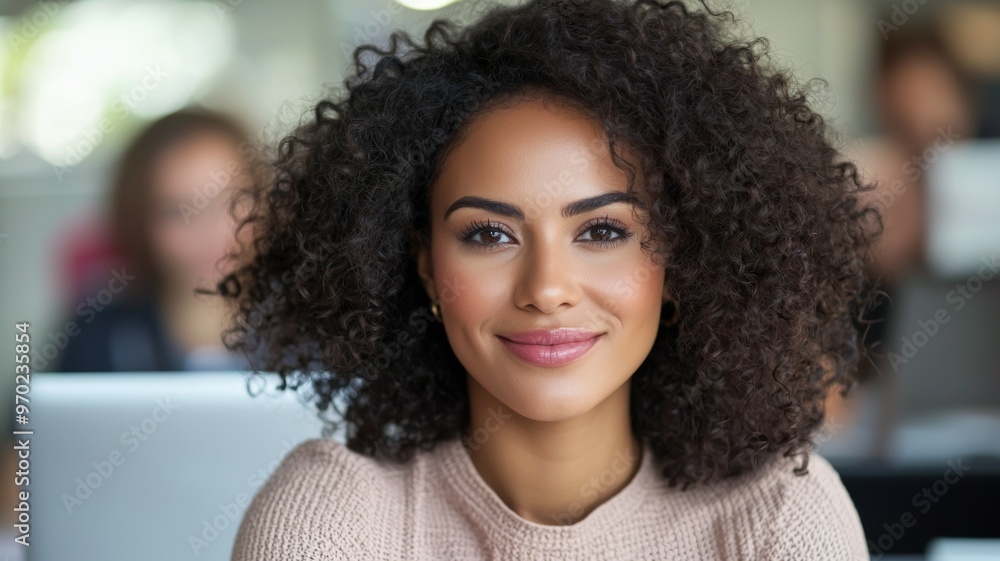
[[612, 224]]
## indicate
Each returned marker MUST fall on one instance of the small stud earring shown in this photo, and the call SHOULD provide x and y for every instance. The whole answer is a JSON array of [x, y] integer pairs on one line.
[[436, 309]]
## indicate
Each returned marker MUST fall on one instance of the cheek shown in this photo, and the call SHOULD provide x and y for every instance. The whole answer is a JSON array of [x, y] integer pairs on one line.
[[171, 239], [471, 291], [631, 292]]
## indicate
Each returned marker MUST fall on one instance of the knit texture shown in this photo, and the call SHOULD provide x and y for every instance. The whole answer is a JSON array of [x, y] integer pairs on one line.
[[327, 502]]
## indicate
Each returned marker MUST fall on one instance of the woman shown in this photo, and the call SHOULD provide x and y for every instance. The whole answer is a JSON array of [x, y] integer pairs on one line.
[[582, 274], [169, 222]]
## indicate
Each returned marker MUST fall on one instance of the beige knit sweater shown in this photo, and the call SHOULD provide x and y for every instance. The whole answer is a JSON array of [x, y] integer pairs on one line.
[[327, 502]]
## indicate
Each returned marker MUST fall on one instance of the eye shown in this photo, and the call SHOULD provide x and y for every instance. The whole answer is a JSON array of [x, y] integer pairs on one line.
[[489, 237], [485, 235], [604, 233], [607, 232]]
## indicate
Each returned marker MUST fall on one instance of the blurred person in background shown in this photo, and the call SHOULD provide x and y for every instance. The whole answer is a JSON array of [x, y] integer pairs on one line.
[[169, 221], [925, 102]]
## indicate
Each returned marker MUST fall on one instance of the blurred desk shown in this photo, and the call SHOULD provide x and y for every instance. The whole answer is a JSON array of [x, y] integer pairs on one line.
[[903, 507]]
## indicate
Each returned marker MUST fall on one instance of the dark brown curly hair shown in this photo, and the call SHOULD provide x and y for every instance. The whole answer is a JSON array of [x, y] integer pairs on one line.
[[760, 221]]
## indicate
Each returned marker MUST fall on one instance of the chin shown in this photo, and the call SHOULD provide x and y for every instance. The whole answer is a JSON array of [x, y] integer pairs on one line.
[[550, 402]]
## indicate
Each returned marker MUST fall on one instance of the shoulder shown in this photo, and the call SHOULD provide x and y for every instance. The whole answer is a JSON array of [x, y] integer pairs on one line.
[[770, 514], [811, 514], [323, 501]]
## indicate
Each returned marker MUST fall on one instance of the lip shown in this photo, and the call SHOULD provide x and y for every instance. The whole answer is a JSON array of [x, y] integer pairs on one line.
[[550, 347]]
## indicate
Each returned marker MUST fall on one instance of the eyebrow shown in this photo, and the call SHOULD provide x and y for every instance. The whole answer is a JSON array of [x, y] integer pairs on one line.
[[571, 209]]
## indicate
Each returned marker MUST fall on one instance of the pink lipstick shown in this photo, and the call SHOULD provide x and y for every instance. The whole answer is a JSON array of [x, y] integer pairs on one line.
[[550, 347]]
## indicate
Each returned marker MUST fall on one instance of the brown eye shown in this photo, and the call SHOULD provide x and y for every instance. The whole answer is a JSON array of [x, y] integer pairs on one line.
[[607, 232], [489, 236], [603, 233]]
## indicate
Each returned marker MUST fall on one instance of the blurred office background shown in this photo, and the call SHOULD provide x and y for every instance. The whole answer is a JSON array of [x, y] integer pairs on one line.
[[913, 94]]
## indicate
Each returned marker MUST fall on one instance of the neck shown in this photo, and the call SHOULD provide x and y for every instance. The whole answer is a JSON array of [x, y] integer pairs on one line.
[[553, 472]]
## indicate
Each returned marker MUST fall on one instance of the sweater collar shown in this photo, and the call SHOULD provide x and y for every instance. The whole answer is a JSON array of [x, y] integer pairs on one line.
[[483, 504]]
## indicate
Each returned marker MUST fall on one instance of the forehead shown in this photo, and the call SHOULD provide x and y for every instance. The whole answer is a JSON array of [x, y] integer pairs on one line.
[[193, 162], [531, 151]]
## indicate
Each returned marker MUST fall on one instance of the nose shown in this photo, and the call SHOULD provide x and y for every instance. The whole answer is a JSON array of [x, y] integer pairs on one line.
[[547, 278]]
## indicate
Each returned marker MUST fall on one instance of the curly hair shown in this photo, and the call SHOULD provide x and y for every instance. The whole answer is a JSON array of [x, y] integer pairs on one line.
[[760, 221]]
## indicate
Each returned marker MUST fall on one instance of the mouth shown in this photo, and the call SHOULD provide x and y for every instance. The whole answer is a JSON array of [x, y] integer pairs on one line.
[[550, 348]]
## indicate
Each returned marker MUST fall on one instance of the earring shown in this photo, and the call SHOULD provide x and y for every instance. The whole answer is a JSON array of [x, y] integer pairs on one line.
[[436, 309]]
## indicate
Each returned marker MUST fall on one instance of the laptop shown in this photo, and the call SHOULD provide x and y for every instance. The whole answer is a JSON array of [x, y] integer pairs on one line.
[[154, 466]]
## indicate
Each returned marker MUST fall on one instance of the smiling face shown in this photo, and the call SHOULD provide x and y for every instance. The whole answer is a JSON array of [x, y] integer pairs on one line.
[[532, 230]]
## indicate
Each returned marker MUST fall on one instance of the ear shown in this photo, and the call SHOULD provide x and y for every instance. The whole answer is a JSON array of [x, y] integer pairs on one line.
[[425, 267]]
